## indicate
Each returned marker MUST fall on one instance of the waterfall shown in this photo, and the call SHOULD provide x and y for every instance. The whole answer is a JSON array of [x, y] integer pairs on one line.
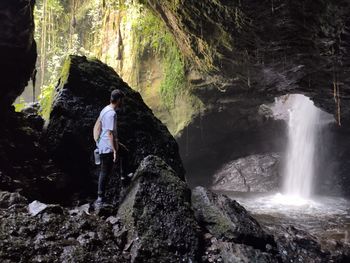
[[302, 138]]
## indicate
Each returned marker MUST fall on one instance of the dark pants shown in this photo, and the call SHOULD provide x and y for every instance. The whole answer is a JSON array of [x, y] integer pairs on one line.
[[106, 168]]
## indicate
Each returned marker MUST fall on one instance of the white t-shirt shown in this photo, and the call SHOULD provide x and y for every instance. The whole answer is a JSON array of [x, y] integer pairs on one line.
[[108, 119]]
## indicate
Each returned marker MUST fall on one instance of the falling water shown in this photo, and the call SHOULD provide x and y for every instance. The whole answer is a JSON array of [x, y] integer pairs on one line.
[[302, 133]]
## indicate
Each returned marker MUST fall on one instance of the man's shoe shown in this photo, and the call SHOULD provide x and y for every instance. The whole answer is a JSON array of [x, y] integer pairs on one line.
[[98, 203]]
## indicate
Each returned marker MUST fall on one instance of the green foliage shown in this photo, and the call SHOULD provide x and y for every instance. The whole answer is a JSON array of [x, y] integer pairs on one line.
[[56, 38], [48, 92], [151, 36], [20, 105]]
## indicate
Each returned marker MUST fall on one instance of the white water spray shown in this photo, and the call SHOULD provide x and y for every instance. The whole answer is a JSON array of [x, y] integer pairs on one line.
[[302, 134]]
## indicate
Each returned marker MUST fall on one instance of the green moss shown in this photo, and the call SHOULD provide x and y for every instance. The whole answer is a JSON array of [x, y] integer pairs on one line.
[[65, 70], [152, 37], [19, 105], [46, 99]]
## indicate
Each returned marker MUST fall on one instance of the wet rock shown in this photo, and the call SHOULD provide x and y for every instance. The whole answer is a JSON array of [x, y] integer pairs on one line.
[[8, 199], [106, 211], [80, 210], [81, 94], [157, 213], [35, 208], [222, 251], [295, 245], [113, 220], [121, 237], [226, 219], [255, 173], [31, 114]]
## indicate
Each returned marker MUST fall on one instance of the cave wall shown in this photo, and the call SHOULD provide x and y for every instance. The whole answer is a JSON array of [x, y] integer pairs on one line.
[[243, 54], [266, 47], [17, 48]]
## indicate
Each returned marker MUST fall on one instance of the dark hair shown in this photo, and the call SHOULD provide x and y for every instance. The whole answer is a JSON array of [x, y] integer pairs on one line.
[[116, 95]]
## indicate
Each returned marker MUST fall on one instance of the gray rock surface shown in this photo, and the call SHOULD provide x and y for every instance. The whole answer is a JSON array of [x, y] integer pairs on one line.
[[255, 173]]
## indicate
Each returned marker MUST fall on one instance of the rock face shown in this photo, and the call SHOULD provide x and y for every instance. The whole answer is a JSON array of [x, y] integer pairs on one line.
[[255, 173], [83, 90], [20, 168], [157, 212], [24, 163], [17, 48]]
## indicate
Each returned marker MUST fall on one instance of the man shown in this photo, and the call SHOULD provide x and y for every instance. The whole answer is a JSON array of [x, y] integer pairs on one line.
[[107, 142]]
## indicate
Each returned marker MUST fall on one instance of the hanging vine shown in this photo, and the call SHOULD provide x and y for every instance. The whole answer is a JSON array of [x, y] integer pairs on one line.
[[43, 43]]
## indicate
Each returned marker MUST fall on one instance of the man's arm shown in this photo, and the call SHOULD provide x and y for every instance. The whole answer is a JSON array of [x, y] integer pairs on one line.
[[110, 123], [114, 143], [97, 129]]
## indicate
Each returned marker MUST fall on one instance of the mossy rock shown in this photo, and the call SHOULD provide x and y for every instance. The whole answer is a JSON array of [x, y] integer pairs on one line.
[[157, 211]]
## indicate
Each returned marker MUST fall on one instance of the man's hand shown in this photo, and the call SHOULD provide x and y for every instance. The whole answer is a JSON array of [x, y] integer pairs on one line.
[[114, 156]]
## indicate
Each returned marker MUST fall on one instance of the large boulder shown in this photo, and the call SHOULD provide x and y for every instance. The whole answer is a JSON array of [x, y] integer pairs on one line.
[[157, 213], [83, 90], [255, 173], [228, 220]]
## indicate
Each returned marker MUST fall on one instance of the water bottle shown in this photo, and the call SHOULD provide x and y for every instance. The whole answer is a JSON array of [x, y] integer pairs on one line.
[[97, 157]]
